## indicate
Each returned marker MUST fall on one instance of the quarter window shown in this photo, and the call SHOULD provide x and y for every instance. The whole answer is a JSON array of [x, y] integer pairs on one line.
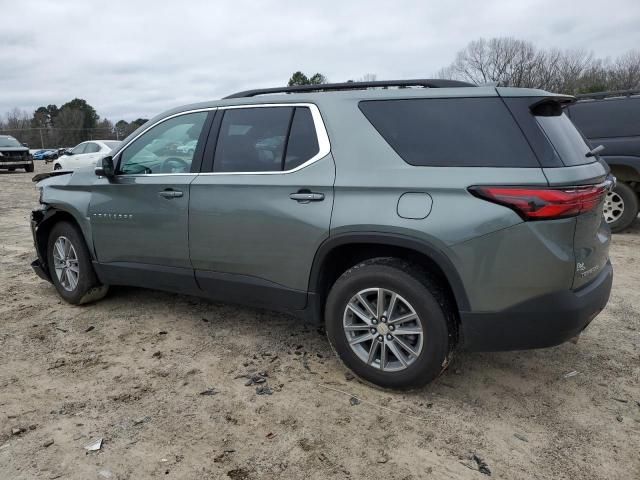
[[167, 148], [265, 139], [451, 132]]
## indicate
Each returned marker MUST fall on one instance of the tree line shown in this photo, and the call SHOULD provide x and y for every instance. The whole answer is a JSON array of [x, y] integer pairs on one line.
[[504, 61], [74, 122]]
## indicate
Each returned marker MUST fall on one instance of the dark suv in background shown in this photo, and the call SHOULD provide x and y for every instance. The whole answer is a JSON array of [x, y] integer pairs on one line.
[[412, 221], [612, 119]]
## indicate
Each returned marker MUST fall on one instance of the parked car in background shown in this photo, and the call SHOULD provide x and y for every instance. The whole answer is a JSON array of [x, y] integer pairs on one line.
[[612, 119], [14, 154], [48, 155], [413, 222], [84, 154]]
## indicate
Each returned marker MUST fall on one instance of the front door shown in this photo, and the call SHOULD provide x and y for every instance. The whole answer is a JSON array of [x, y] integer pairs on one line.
[[258, 217], [140, 217]]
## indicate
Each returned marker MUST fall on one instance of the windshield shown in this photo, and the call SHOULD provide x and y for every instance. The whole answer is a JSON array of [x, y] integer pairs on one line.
[[112, 144], [6, 141]]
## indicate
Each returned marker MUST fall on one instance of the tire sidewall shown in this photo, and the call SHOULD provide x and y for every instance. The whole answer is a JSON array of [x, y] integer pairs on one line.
[[435, 349], [86, 276], [630, 199]]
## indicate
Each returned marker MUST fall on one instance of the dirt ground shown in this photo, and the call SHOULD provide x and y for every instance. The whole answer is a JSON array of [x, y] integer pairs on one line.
[[131, 368]]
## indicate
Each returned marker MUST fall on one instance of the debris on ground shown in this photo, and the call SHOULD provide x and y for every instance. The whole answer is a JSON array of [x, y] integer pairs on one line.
[[89, 328], [141, 420], [17, 430], [254, 378], [157, 355], [209, 391], [619, 418], [264, 390], [270, 435], [105, 474], [48, 443], [94, 445], [570, 374], [521, 437], [382, 457], [348, 376], [482, 465], [354, 401]]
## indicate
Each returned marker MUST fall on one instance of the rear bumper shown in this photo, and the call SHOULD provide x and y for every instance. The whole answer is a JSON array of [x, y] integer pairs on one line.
[[541, 322]]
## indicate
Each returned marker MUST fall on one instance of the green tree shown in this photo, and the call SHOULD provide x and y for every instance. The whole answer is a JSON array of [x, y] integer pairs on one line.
[[299, 78]]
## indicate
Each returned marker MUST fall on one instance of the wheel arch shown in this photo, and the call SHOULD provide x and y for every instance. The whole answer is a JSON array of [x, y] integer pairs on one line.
[[45, 223], [342, 251]]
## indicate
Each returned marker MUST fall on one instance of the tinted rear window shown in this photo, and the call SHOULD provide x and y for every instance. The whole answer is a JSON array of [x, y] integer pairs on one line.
[[451, 132], [617, 117], [566, 139]]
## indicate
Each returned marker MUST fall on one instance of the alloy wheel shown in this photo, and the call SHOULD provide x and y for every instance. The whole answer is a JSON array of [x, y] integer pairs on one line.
[[65, 263], [613, 207], [383, 329]]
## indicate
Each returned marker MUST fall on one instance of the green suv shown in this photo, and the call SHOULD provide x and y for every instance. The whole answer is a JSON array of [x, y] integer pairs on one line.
[[413, 218]]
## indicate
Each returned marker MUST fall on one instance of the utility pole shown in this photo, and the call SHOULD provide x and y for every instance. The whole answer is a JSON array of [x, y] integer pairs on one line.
[[41, 140]]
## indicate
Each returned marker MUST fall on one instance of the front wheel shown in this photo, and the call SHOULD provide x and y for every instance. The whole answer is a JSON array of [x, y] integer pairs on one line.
[[621, 207], [70, 265], [57, 166], [29, 168], [388, 322]]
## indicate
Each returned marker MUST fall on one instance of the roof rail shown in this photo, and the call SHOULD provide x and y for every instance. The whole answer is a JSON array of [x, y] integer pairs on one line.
[[601, 95], [326, 87]]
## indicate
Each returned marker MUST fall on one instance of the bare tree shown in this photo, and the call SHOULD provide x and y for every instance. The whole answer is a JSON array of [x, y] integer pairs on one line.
[[518, 63], [625, 71]]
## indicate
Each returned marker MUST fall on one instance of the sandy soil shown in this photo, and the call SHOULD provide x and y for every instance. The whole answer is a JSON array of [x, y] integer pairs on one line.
[[131, 368]]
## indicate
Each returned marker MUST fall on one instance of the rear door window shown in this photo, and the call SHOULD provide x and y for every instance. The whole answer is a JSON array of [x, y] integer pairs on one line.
[[265, 139], [451, 132]]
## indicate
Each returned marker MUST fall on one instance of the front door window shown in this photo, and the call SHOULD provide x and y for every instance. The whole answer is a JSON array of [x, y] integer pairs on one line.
[[168, 147]]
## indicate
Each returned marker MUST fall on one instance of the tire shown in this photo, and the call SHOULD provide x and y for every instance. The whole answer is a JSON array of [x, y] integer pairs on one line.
[[12, 169], [621, 207], [86, 287], [414, 289], [57, 166], [29, 168]]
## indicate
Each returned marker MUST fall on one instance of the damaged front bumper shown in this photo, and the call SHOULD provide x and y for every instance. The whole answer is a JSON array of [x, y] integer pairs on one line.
[[39, 265]]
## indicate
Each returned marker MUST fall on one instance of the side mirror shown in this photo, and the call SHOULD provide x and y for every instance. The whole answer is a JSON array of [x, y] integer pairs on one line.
[[25, 145], [105, 168]]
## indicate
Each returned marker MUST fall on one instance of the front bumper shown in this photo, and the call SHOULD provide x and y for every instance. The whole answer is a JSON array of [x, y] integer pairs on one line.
[[541, 322], [39, 265], [15, 163]]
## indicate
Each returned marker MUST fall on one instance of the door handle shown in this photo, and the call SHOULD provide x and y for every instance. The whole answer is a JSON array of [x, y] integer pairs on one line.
[[170, 193], [305, 196]]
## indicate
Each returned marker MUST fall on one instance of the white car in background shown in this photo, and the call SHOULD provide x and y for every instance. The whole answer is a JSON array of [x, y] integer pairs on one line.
[[84, 154]]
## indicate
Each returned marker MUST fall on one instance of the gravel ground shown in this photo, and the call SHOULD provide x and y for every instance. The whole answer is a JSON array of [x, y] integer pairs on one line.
[[131, 370]]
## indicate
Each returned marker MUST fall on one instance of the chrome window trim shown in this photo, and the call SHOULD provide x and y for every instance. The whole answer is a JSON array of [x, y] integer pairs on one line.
[[321, 134]]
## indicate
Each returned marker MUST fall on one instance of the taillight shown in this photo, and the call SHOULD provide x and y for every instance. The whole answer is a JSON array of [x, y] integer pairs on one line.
[[545, 203]]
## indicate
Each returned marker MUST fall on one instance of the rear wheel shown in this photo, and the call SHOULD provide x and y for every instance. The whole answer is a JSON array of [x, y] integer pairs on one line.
[[621, 207], [387, 321], [57, 166], [70, 265]]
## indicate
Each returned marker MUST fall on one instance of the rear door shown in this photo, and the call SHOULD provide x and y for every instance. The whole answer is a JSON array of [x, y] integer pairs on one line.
[[262, 205]]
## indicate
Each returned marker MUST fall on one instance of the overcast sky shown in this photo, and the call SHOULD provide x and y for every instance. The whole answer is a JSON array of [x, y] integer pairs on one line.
[[135, 58]]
